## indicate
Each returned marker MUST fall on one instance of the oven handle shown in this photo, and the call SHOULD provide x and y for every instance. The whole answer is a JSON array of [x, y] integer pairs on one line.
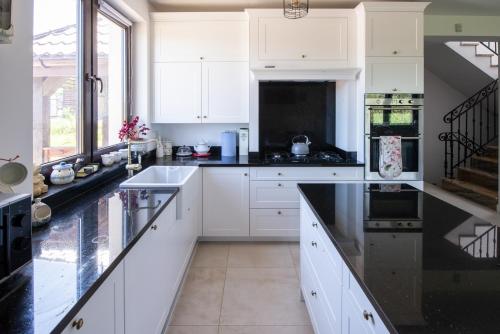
[[402, 138]]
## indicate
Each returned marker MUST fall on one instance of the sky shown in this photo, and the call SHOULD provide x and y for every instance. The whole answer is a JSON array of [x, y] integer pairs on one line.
[[53, 14]]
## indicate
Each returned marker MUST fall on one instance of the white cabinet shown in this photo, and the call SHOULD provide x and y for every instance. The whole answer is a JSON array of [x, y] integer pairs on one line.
[[395, 75], [274, 222], [151, 267], [306, 173], [200, 68], [103, 312], [274, 194], [181, 37], [323, 39], [225, 92], [394, 34], [225, 201], [177, 92]]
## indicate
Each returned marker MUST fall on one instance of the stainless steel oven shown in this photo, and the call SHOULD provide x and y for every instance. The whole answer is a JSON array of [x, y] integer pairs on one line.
[[394, 115]]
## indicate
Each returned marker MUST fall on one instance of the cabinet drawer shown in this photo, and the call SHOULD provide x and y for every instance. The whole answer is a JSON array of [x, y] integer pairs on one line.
[[274, 194], [274, 222], [361, 309], [306, 173], [323, 321]]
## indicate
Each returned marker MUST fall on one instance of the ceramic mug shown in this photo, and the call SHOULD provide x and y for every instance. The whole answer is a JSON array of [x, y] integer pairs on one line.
[[117, 156], [107, 159]]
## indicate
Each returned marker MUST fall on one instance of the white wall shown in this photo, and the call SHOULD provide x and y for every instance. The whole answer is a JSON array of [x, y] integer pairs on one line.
[[444, 25], [440, 98], [190, 134], [16, 91]]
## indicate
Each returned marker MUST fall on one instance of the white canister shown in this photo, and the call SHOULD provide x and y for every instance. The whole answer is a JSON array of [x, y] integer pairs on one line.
[[159, 149], [62, 173], [167, 148]]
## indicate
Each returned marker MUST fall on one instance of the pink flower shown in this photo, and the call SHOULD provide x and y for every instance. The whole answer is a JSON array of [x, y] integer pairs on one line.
[[131, 131]]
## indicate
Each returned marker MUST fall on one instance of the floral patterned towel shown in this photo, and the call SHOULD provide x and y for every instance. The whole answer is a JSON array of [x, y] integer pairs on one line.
[[390, 163]]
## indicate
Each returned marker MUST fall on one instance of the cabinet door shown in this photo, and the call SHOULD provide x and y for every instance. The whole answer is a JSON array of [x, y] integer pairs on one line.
[[103, 312], [177, 89], [394, 75], [225, 92], [225, 201], [320, 38], [187, 39], [150, 274], [394, 34]]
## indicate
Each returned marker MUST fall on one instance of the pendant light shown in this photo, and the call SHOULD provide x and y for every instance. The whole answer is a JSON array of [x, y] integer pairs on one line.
[[295, 9]]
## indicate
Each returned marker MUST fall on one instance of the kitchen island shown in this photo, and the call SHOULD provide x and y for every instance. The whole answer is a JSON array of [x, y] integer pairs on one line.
[[378, 259], [82, 248]]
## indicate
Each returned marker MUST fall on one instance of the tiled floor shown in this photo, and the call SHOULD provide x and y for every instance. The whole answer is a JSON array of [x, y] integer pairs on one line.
[[242, 288]]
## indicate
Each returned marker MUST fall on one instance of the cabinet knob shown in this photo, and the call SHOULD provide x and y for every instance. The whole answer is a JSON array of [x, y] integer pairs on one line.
[[205, 116], [334, 174], [367, 315], [246, 174], [154, 227], [315, 224], [269, 66], [303, 56], [279, 174], [395, 52], [394, 89], [201, 58], [280, 185], [314, 244], [279, 212], [77, 323], [313, 293], [198, 117]]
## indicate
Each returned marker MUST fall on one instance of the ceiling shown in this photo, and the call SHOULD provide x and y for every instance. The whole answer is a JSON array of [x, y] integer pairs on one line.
[[446, 7]]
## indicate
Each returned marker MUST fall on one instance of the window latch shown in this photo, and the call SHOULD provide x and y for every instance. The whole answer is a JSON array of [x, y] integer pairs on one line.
[[95, 80]]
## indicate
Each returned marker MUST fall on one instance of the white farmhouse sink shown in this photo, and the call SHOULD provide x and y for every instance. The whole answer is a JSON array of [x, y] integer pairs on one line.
[[160, 177]]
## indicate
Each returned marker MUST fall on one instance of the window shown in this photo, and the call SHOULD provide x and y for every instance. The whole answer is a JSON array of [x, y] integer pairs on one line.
[[80, 87]]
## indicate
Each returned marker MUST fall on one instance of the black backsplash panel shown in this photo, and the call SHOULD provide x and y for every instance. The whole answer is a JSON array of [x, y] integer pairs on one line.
[[287, 109]]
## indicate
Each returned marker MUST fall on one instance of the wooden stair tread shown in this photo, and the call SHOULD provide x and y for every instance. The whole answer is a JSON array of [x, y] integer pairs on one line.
[[492, 147], [485, 159], [480, 172], [473, 188]]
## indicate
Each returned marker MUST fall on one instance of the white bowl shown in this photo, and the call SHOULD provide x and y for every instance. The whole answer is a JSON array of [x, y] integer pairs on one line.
[[117, 156], [107, 159]]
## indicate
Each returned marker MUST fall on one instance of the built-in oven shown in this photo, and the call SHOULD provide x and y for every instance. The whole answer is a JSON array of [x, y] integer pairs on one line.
[[392, 206], [394, 115]]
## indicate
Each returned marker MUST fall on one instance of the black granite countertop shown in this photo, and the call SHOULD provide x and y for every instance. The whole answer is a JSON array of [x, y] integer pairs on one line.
[[74, 254], [246, 161], [427, 266]]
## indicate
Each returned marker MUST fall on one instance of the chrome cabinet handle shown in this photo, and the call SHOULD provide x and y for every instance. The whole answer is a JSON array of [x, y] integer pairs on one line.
[[270, 66], [314, 244], [78, 324], [313, 293], [154, 227], [367, 315], [315, 224]]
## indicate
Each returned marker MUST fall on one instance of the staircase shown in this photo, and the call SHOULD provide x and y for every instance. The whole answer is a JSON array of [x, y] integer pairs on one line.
[[471, 147], [483, 55]]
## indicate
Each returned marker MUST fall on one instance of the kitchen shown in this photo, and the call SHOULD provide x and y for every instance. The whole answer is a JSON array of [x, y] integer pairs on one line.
[[275, 186]]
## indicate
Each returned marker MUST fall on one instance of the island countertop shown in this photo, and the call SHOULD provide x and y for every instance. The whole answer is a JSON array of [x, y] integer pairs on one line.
[[427, 266], [74, 254]]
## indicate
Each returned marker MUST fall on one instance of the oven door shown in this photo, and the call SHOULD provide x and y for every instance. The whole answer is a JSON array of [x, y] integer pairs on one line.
[[393, 121], [411, 153]]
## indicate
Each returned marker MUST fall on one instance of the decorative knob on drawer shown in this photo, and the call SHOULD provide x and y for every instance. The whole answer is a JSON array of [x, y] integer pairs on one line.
[[77, 323], [279, 174], [315, 224], [154, 227], [334, 174], [395, 52], [279, 212], [198, 117], [205, 116], [314, 244], [201, 58], [313, 293], [303, 56], [394, 89], [246, 174], [280, 185], [367, 315]]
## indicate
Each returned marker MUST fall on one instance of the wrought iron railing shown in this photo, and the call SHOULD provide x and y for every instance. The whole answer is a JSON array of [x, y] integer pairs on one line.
[[492, 46], [472, 126], [485, 245]]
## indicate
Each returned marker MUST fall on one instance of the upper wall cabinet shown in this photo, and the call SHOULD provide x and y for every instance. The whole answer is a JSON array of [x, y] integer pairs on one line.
[[200, 36], [323, 39], [394, 34]]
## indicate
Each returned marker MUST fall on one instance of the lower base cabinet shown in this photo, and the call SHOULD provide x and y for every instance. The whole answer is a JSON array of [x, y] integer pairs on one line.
[[103, 312], [335, 301]]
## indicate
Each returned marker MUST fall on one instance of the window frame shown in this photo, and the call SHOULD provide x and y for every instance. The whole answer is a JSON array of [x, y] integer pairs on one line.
[[88, 94]]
